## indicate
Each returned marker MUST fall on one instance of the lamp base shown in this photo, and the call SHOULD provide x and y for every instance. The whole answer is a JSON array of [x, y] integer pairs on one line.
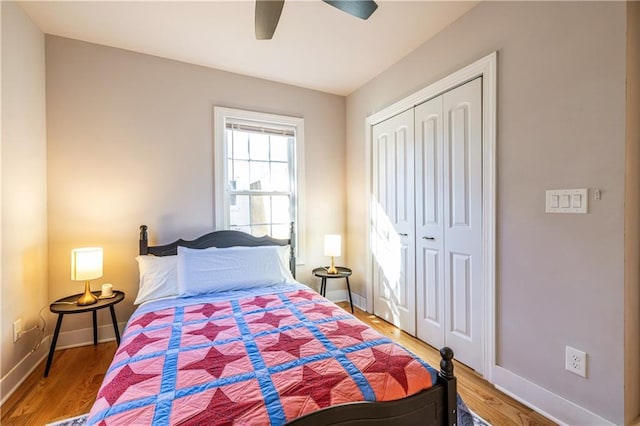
[[332, 269], [87, 298]]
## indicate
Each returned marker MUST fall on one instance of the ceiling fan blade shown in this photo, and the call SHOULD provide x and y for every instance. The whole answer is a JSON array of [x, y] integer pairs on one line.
[[267, 17], [359, 8]]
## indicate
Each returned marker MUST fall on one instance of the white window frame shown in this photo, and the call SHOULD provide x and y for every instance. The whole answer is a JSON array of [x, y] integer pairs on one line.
[[221, 116]]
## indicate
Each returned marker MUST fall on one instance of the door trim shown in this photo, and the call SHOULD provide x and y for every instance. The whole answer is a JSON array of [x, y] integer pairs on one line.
[[486, 68]]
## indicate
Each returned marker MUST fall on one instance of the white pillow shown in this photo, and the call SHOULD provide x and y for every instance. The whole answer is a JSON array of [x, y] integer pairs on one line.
[[285, 256], [234, 268], [284, 253], [158, 277]]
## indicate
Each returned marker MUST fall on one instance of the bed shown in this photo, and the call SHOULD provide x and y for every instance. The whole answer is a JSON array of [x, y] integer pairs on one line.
[[250, 353]]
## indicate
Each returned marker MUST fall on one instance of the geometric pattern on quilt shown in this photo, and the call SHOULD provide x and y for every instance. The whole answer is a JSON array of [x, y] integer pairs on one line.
[[263, 359], [163, 317], [132, 381], [211, 363], [309, 387], [392, 373], [239, 403], [207, 311]]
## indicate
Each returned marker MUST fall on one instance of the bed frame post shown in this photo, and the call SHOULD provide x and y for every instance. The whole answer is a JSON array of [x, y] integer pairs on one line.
[[292, 248], [144, 242], [449, 382]]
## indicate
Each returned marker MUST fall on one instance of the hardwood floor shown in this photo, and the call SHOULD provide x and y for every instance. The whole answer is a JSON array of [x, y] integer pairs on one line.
[[70, 389], [76, 375]]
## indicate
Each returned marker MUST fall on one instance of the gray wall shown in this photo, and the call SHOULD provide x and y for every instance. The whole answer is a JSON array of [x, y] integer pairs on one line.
[[131, 141], [632, 218], [561, 124], [23, 290]]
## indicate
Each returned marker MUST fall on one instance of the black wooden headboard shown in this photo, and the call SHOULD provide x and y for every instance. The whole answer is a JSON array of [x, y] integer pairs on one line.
[[220, 239]]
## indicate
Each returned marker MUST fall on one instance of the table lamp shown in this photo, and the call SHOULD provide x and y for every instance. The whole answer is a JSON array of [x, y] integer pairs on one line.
[[86, 265], [332, 248]]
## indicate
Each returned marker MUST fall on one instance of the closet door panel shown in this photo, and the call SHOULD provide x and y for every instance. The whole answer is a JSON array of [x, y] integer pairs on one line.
[[458, 176], [460, 292], [402, 183], [430, 309], [463, 290], [393, 221]]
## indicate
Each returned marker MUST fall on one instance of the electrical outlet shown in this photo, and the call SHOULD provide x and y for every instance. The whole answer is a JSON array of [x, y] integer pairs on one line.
[[17, 329], [576, 361]]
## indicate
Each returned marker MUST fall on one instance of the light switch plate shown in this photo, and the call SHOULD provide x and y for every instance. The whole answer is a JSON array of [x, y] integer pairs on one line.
[[567, 200]]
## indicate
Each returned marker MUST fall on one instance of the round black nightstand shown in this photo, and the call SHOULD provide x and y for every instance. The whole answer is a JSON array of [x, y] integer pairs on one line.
[[342, 273], [67, 305]]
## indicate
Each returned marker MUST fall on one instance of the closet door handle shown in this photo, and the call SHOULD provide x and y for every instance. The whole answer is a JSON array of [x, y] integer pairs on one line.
[[429, 238], [403, 234]]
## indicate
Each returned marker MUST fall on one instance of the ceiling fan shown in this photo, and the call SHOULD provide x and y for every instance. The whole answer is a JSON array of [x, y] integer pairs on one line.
[[268, 13]]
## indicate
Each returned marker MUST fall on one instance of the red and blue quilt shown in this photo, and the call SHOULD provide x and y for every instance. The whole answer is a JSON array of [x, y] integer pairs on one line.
[[258, 357]]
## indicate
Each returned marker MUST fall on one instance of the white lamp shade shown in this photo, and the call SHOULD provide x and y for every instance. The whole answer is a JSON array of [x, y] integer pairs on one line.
[[86, 263], [332, 245]]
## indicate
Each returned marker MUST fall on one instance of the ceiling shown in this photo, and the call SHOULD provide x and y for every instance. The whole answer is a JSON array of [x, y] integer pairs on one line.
[[314, 46]]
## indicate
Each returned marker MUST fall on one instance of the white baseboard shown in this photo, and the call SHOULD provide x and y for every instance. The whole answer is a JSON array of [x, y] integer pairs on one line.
[[84, 336], [343, 296], [19, 373], [359, 301], [545, 402]]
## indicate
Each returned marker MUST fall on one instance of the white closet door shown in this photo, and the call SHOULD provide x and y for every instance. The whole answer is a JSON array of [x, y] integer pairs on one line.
[[429, 161], [393, 227], [463, 222]]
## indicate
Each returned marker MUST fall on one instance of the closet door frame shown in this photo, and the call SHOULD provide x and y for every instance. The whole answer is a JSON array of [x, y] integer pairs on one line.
[[486, 68]]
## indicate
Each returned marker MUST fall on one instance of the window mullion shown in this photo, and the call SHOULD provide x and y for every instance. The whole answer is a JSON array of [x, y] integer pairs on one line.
[[259, 192]]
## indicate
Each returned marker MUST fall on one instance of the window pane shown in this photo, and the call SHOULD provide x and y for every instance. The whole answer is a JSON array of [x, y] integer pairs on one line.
[[260, 209], [259, 175], [229, 139], [246, 229], [240, 145], [240, 175], [260, 230], [280, 148], [280, 231], [259, 146], [281, 208], [279, 177], [239, 214], [231, 182]]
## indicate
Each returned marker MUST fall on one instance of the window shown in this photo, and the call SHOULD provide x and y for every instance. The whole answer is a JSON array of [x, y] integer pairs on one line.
[[258, 172]]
